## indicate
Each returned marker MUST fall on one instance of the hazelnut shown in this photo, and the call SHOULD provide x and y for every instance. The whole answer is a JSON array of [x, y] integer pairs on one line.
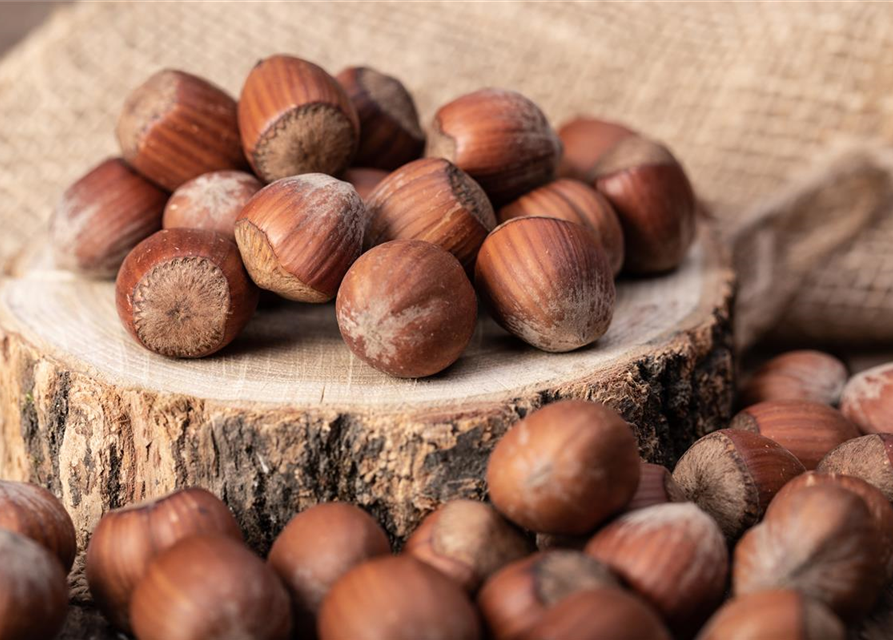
[[596, 615], [212, 201], [516, 598], [653, 199], [673, 555], [809, 430], [656, 486], [573, 201], [295, 118], [316, 548], [434, 201], [397, 599], [585, 141], [733, 475], [299, 235], [364, 180], [867, 457], [820, 541], [35, 513], [564, 468], [812, 376], [184, 293], [177, 126], [126, 540], [867, 400], [783, 614], [33, 590], [546, 282], [102, 216], [407, 308], [210, 586], [467, 541], [500, 138], [390, 134]]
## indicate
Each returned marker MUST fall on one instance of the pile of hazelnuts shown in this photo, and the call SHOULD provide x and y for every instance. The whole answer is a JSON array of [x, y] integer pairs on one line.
[[313, 186]]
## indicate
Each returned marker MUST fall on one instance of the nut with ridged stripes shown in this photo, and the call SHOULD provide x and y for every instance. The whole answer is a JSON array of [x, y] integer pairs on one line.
[[34, 512], [585, 141], [812, 376]]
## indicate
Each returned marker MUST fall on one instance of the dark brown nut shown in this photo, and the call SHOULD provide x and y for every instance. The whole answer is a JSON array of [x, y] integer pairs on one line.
[[782, 614], [573, 201], [599, 614], [33, 590], [397, 599], [299, 236], [673, 555], [733, 475], [467, 541], [177, 126], [295, 118], [867, 400], [564, 468], [316, 548], [500, 138], [585, 141], [654, 200], [125, 542], [435, 201], [210, 586], [546, 282], [821, 541], [809, 430], [364, 180], [390, 134], [212, 201], [516, 598], [656, 486], [868, 457], [812, 376], [35, 513], [407, 308], [102, 216], [878, 623], [184, 293]]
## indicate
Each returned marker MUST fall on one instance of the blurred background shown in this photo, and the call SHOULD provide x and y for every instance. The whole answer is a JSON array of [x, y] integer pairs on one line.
[[18, 18]]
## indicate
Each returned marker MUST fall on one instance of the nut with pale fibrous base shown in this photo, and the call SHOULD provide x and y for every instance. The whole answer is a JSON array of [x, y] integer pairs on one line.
[[868, 457], [733, 475], [364, 179], [585, 141], [212, 201], [34, 512], [467, 541], [867, 400], [796, 375]]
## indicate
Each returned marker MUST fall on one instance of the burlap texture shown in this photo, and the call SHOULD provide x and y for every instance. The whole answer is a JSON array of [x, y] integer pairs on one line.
[[756, 99]]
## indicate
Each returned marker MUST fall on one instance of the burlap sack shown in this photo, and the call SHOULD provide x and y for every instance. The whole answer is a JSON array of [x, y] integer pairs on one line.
[[778, 110]]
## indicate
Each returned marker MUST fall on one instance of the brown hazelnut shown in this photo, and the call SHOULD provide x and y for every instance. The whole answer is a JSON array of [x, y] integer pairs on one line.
[[210, 586], [653, 199], [212, 201], [316, 548], [295, 118], [126, 540], [184, 293], [407, 308], [564, 468], [867, 457], [516, 598], [467, 541], [573, 201], [781, 614], [733, 475], [820, 541], [35, 513], [390, 134], [435, 201], [547, 282], [812, 376], [364, 180], [596, 615], [299, 235], [177, 126], [673, 555], [585, 141], [500, 138], [33, 590], [102, 216], [867, 400], [656, 486], [809, 430], [397, 598]]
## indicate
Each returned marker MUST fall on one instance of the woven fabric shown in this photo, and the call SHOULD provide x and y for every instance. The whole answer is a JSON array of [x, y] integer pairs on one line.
[[752, 97]]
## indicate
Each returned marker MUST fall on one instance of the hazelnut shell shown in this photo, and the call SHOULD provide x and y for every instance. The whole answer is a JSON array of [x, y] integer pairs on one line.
[[812, 376], [364, 180], [211, 201], [585, 141], [867, 457], [34, 512], [867, 400]]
